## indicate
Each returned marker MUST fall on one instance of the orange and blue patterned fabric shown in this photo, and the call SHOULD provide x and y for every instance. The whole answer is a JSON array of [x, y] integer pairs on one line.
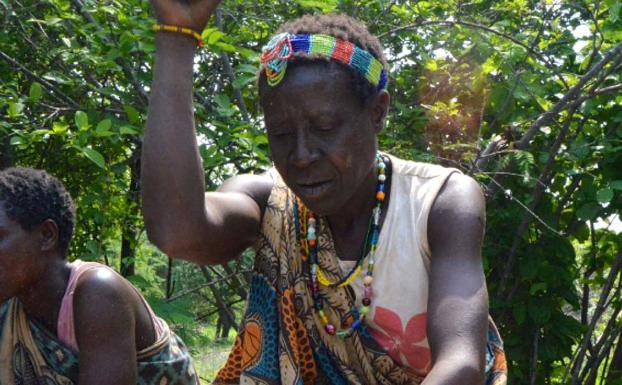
[[281, 340]]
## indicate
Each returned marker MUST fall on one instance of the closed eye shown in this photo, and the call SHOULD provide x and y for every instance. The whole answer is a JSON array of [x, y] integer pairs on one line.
[[326, 125]]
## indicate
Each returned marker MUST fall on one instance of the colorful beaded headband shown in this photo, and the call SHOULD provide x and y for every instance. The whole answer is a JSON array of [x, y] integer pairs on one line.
[[275, 55]]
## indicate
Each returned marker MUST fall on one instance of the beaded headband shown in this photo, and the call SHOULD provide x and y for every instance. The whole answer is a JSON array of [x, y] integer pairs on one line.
[[278, 51]]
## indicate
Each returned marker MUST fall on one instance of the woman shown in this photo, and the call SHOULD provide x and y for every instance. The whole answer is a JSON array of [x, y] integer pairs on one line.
[[368, 268], [71, 323]]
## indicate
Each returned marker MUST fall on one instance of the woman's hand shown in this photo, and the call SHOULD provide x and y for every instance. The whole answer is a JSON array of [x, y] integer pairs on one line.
[[184, 13]]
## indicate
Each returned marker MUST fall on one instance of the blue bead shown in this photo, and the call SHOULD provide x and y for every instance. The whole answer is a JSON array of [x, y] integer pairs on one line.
[[374, 236], [301, 42], [355, 324]]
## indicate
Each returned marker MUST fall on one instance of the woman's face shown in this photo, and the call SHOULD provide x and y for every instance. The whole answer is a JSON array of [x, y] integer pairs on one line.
[[322, 139], [20, 261]]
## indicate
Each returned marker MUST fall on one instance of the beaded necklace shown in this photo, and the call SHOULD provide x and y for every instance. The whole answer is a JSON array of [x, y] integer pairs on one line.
[[306, 229]]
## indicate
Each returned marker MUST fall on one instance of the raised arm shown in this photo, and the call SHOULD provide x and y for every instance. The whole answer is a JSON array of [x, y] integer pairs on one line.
[[180, 218], [458, 300]]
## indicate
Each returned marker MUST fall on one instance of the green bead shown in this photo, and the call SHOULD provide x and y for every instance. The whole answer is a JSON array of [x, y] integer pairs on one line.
[[364, 310], [342, 333]]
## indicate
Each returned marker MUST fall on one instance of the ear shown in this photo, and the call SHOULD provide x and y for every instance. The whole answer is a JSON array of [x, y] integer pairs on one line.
[[48, 234], [379, 107]]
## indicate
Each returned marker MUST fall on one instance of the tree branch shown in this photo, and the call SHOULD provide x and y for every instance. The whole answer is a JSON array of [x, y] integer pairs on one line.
[[534, 200], [143, 97], [548, 116], [59, 94]]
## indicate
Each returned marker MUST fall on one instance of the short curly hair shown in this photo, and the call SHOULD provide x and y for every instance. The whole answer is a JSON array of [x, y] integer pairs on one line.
[[30, 196], [342, 27]]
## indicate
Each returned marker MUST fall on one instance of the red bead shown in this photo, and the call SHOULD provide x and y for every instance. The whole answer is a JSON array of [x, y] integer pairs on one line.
[[330, 329], [311, 242], [366, 301], [315, 287]]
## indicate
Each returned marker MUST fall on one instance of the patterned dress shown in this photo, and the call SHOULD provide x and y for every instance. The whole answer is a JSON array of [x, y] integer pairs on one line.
[[281, 339]]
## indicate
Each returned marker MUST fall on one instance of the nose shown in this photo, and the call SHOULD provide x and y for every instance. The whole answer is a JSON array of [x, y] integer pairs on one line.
[[304, 153]]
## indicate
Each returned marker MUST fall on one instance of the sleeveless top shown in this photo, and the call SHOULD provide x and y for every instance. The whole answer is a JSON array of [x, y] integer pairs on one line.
[[29, 351], [398, 312], [282, 340], [65, 326]]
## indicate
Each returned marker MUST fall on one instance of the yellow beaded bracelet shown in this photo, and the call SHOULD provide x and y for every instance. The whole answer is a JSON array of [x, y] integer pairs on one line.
[[177, 29]]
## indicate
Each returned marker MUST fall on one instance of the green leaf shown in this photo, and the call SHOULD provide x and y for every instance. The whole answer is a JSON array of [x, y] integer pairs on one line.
[[133, 116], [103, 128], [588, 211], [95, 157], [15, 109], [536, 287], [59, 127], [35, 92], [616, 184], [104, 125], [17, 140], [604, 195], [583, 232], [519, 311], [324, 5], [226, 47], [246, 68], [82, 120], [222, 101], [127, 130], [241, 81], [214, 37], [614, 12]]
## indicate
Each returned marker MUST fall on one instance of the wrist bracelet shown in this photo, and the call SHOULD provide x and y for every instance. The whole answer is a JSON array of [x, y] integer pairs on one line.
[[177, 29]]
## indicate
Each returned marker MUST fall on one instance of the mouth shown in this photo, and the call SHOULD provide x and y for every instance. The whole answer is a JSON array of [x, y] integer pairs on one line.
[[314, 190]]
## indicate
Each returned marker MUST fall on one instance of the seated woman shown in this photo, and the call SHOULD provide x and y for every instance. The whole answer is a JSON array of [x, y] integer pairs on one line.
[[368, 267], [71, 323]]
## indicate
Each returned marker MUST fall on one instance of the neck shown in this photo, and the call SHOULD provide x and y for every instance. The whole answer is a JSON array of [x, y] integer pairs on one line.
[[355, 214], [42, 300]]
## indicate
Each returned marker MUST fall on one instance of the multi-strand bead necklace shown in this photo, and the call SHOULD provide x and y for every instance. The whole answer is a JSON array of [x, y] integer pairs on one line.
[[306, 229]]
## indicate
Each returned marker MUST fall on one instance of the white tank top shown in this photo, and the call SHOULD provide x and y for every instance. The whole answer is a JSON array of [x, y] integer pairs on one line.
[[398, 315]]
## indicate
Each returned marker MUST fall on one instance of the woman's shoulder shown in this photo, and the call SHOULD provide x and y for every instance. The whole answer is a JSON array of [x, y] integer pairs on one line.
[[424, 170], [94, 280]]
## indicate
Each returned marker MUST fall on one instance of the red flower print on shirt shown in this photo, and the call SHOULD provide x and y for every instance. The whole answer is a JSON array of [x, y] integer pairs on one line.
[[405, 346]]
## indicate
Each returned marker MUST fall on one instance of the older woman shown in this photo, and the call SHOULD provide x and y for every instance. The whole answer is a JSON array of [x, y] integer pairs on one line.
[[368, 268], [67, 323]]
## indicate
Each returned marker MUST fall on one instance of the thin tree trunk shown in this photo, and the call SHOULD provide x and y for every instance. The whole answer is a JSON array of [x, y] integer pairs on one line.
[[6, 153], [228, 316], [615, 368], [169, 278], [130, 232], [235, 280]]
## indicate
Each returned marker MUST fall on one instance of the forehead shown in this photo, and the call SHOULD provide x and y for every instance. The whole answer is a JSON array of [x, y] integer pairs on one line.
[[312, 87]]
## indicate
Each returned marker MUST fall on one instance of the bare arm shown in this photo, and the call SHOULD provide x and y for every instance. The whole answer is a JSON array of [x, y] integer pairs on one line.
[[105, 330], [458, 300], [180, 219]]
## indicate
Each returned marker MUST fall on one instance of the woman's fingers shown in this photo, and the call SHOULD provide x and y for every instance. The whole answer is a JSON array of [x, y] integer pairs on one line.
[[185, 13]]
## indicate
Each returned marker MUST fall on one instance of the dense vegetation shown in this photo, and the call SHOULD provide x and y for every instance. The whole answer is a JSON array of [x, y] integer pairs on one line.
[[524, 95]]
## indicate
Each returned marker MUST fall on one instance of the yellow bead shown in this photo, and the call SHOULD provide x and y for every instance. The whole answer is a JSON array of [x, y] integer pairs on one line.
[[368, 280]]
